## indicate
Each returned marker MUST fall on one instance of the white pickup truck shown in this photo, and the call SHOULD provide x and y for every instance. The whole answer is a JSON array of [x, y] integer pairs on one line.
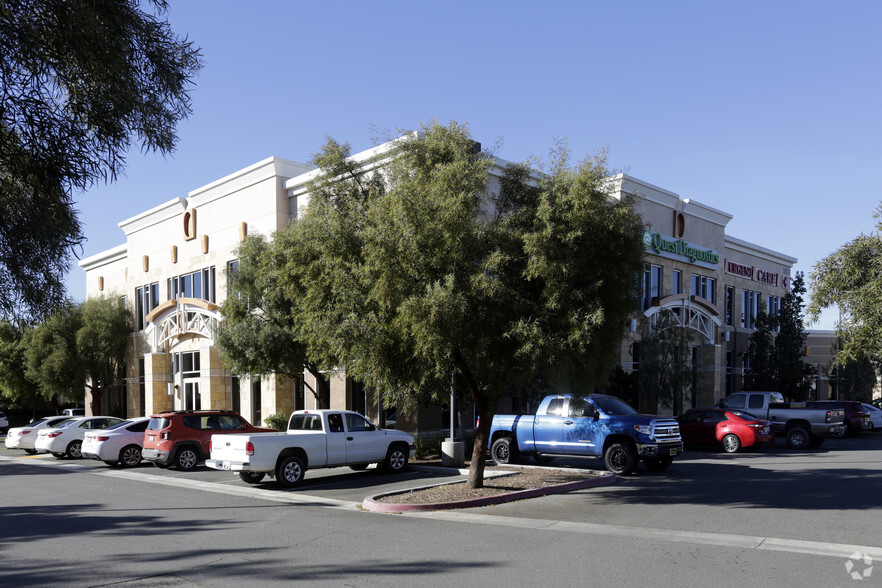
[[314, 439]]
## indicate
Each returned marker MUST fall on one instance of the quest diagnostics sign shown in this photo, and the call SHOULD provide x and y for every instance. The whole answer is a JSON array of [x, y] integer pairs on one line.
[[678, 249]]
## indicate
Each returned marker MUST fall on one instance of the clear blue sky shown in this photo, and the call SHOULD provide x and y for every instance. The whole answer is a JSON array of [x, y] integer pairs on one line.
[[769, 111]]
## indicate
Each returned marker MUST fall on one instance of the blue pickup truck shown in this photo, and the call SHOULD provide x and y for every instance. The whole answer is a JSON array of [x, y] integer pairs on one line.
[[592, 426]]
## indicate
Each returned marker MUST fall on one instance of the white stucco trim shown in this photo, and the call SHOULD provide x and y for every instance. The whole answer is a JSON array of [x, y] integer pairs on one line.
[[108, 256], [748, 248]]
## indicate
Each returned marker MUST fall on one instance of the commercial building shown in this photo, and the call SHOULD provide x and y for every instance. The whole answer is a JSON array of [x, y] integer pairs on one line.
[[173, 266], [699, 277]]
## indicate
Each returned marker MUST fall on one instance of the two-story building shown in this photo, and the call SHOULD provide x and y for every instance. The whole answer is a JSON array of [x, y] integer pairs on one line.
[[173, 266]]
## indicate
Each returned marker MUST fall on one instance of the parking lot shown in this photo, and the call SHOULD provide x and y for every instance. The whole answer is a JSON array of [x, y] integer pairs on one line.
[[776, 512]]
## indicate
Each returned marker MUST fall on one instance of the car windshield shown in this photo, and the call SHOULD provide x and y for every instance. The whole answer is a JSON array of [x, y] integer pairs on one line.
[[62, 424], [35, 423], [745, 415], [613, 406], [118, 425]]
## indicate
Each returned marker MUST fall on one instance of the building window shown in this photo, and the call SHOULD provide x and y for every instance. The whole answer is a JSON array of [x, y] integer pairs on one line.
[[232, 268], [651, 284], [677, 282], [730, 306], [256, 417], [235, 399], [146, 299], [774, 308], [199, 284], [704, 287], [750, 302], [635, 356], [730, 366], [142, 388]]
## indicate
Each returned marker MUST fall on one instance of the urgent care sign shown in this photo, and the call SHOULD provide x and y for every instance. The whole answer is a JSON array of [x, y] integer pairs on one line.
[[752, 273]]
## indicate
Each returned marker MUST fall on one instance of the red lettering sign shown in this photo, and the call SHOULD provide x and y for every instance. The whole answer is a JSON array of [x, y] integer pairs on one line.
[[767, 277], [739, 270]]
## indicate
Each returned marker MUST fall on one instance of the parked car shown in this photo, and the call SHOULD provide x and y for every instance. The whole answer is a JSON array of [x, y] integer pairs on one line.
[[731, 430], [25, 437], [4, 423], [595, 425], [66, 439], [856, 418], [314, 439], [802, 426], [875, 416], [117, 444], [183, 438]]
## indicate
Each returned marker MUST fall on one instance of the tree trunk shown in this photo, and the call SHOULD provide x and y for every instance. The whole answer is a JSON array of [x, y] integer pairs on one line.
[[485, 403], [322, 392]]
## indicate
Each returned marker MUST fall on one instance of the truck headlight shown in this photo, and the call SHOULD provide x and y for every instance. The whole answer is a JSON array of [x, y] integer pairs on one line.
[[645, 429]]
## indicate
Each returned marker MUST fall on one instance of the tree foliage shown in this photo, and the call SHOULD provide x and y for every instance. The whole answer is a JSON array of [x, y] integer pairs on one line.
[[80, 80], [760, 373], [259, 333], [78, 346], [101, 343], [794, 375], [851, 279], [665, 364], [777, 347], [410, 270], [16, 389]]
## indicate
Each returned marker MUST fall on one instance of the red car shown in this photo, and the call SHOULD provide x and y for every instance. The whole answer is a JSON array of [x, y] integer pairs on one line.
[[182, 438], [726, 428]]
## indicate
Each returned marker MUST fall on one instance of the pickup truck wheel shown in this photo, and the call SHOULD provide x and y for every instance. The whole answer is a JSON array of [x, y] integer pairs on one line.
[[186, 459], [620, 459], [731, 443], [503, 451], [798, 438], [290, 471], [396, 459], [658, 464], [251, 477]]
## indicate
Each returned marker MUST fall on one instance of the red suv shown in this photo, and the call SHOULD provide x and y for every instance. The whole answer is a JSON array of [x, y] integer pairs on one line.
[[182, 438]]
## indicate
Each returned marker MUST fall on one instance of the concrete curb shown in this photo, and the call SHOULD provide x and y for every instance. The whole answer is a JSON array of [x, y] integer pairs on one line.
[[370, 503]]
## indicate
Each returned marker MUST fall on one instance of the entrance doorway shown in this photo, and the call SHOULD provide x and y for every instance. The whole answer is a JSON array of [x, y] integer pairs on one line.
[[192, 397]]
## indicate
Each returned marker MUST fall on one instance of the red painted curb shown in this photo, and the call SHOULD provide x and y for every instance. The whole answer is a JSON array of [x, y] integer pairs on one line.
[[370, 503]]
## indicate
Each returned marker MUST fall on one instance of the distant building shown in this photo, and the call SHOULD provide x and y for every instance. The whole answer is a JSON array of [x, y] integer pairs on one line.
[[173, 266]]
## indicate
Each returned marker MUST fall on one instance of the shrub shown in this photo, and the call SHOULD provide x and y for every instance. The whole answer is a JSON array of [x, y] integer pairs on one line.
[[278, 421]]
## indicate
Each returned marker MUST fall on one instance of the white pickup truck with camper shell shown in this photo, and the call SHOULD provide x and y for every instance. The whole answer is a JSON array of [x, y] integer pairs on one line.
[[802, 427], [314, 439]]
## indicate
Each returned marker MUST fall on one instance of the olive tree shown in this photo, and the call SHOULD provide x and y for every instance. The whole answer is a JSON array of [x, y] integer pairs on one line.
[[413, 269]]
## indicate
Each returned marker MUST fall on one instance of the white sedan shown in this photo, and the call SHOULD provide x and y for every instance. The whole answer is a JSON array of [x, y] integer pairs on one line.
[[66, 439], [119, 443], [25, 437], [875, 416]]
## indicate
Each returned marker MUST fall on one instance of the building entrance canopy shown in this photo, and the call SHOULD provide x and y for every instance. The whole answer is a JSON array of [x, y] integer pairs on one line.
[[691, 312], [174, 320]]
